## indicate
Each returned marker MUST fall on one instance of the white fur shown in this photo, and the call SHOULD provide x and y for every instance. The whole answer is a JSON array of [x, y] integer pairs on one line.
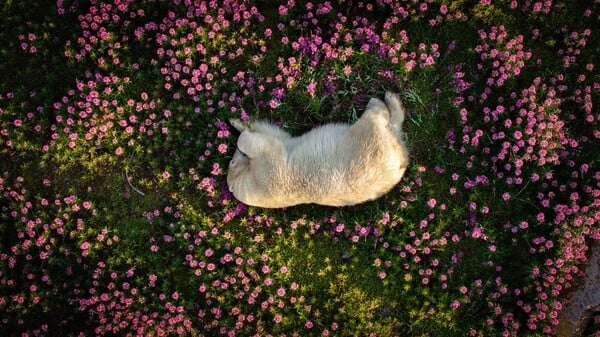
[[334, 164]]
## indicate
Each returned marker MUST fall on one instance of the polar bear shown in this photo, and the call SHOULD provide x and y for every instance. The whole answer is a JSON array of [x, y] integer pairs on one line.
[[334, 164]]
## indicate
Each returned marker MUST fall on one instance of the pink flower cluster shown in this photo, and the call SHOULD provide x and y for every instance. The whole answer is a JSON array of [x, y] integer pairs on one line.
[[44, 227], [119, 307], [505, 56]]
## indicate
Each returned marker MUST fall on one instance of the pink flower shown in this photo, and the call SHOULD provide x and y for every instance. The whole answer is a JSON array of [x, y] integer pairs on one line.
[[283, 11], [477, 232], [311, 88], [540, 217]]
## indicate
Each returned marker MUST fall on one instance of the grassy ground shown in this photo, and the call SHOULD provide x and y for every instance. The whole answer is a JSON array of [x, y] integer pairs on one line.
[[115, 214]]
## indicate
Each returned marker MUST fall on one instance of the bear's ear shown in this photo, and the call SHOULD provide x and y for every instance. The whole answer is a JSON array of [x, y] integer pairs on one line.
[[238, 124], [253, 144]]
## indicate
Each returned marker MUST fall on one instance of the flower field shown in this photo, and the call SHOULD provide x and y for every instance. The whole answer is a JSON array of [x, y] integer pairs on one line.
[[116, 219]]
